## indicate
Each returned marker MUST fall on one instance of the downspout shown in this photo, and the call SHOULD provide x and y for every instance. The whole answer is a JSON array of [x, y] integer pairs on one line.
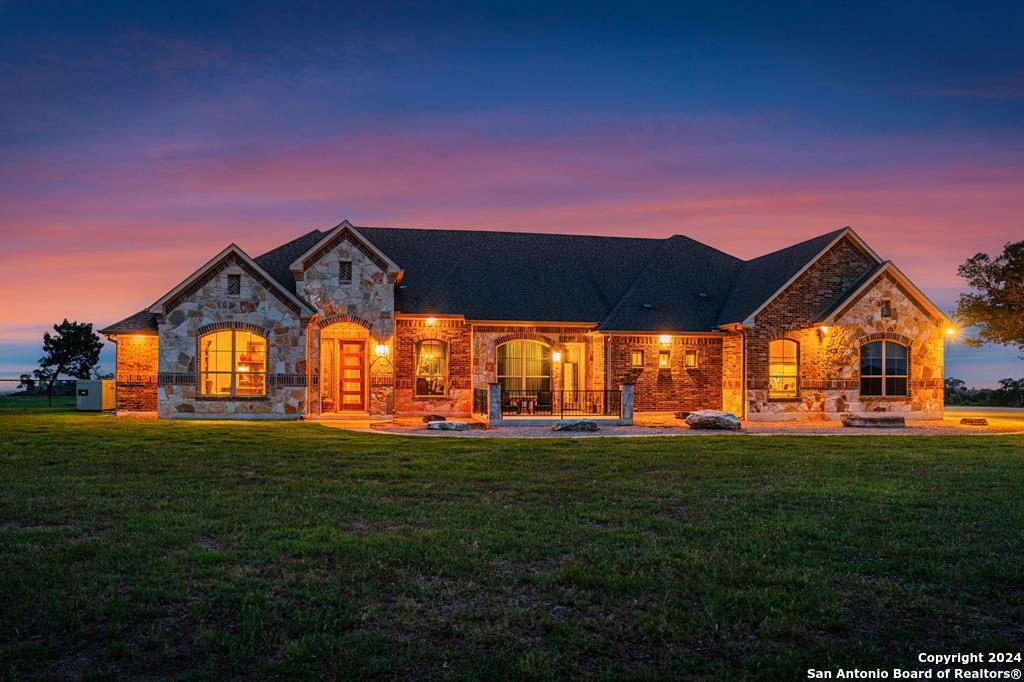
[[743, 374]]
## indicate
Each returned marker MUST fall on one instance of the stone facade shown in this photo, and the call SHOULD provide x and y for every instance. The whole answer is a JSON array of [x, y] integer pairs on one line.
[[207, 307], [829, 359]]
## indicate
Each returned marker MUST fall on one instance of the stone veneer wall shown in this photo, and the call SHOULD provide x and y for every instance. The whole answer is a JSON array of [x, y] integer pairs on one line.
[[209, 307], [791, 315], [137, 368], [458, 334], [677, 387]]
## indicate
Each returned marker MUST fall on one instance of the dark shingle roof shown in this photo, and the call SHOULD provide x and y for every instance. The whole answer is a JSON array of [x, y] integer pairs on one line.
[[620, 283], [512, 275], [758, 279], [142, 322]]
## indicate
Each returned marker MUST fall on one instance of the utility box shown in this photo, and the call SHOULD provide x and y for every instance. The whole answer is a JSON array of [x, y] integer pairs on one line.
[[95, 395]]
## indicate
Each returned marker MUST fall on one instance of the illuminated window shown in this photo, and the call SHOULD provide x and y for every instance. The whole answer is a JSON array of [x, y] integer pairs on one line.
[[234, 285], [886, 308], [663, 358], [431, 367], [883, 369], [344, 271], [690, 358], [232, 363], [783, 368], [524, 366], [637, 358]]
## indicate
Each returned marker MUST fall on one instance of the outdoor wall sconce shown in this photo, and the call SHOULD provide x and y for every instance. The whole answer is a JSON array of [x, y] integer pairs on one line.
[[381, 350], [556, 356], [824, 329], [951, 331], [665, 339], [431, 321]]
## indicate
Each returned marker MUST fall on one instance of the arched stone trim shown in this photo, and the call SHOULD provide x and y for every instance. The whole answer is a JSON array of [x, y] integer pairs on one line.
[[525, 336], [884, 336], [341, 317], [236, 326]]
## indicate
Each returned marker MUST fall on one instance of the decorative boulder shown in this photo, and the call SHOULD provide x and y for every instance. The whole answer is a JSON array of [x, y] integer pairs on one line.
[[576, 425], [448, 426], [867, 422], [713, 419], [974, 421], [433, 418]]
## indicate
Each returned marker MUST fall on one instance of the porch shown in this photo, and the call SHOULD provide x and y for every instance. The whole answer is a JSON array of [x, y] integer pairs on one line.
[[496, 406]]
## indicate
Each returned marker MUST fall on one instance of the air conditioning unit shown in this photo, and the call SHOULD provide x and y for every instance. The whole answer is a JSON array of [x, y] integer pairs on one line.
[[95, 395]]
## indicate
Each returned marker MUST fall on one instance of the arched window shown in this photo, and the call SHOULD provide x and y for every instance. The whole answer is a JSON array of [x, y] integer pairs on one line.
[[883, 369], [524, 366], [431, 368], [783, 368], [232, 363]]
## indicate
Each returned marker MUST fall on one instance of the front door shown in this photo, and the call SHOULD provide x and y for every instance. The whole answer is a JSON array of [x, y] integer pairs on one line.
[[352, 391]]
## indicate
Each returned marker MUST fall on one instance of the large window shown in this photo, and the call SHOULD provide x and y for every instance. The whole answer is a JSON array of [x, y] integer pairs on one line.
[[883, 369], [524, 365], [232, 363], [783, 368], [431, 368]]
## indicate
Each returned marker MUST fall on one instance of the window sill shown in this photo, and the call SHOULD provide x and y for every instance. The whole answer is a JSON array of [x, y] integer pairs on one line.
[[794, 399], [233, 398]]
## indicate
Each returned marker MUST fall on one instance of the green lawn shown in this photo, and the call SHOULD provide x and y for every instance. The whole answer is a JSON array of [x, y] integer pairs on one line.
[[141, 548]]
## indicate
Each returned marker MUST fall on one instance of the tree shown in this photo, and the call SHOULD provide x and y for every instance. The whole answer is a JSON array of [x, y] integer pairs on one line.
[[1013, 390], [954, 390], [74, 350], [996, 304]]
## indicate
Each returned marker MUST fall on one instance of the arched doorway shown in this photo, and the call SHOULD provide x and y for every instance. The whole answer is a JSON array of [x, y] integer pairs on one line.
[[344, 368]]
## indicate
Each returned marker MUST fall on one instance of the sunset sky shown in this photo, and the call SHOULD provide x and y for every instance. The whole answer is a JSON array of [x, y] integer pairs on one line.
[[137, 140]]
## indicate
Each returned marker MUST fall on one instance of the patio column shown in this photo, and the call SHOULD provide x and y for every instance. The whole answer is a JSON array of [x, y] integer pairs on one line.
[[626, 411], [493, 403]]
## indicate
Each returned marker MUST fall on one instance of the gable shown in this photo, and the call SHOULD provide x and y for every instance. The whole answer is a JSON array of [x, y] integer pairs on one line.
[[230, 257], [344, 232], [886, 280]]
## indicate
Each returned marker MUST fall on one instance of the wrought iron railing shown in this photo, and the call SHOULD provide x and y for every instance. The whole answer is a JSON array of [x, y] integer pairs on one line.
[[581, 403], [480, 401]]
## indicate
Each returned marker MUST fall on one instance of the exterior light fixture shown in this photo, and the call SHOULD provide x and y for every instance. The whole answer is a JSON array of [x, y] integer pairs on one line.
[[431, 321], [556, 356], [381, 350], [824, 329], [665, 338], [950, 331]]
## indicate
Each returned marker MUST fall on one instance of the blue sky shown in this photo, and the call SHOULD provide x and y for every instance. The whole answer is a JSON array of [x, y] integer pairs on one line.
[[138, 139]]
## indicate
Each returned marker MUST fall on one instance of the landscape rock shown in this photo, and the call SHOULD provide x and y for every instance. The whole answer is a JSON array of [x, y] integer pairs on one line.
[[448, 426], [713, 419], [576, 425], [433, 418], [862, 422], [974, 421]]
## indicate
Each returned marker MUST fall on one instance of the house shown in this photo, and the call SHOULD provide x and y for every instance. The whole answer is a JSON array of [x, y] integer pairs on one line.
[[384, 321]]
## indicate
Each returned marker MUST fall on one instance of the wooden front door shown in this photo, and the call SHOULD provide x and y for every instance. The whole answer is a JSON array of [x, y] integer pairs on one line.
[[352, 391]]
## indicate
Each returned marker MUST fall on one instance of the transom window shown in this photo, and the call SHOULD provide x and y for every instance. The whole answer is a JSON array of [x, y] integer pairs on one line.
[[637, 358], [524, 366], [232, 363], [690, 358], [664, 358], [431, 367], [883, 369], [783, 368]]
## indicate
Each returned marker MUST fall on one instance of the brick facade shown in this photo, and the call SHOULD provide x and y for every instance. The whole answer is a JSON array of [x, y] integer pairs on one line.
[[677, 387], [137, 366], [458, 337]]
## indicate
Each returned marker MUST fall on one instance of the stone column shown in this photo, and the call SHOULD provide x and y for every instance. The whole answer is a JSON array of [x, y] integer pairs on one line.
[[626, 411], [493, 403]]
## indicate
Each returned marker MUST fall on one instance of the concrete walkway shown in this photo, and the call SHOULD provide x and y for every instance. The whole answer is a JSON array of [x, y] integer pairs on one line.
[[1002, 421]]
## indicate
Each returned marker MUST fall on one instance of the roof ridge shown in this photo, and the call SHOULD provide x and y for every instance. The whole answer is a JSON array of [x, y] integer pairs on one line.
[[832, 234], [516, 232]]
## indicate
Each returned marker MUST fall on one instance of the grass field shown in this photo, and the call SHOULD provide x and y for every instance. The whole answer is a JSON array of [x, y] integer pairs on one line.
[[134, 548]]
